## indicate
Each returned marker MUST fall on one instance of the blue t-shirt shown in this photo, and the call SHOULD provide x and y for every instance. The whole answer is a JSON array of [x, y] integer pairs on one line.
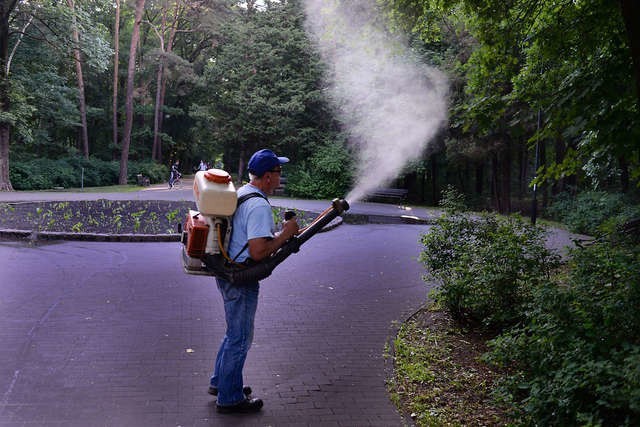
[[252, 219]]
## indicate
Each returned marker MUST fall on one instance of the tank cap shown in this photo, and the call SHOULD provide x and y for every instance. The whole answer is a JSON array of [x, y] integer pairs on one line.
[[218, 176]]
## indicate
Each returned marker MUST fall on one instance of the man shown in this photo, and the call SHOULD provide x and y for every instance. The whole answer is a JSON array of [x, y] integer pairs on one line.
[[175, 173], [252, 237]]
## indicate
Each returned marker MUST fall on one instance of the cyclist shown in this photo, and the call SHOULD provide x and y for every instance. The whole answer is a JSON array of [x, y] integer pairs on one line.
[[175, 173]]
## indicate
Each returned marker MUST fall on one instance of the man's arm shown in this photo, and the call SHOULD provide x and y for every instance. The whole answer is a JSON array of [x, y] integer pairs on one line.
[[262, 247]]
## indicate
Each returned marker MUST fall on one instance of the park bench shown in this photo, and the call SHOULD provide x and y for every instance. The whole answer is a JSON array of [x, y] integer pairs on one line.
[[395, 195]]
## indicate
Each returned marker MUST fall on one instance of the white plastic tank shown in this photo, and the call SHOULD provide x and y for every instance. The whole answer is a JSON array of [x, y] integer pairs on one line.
[[214, 193]]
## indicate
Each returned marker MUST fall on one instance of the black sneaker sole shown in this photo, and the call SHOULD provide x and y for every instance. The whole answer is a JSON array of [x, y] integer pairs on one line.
[[247, 406], [246, 390]]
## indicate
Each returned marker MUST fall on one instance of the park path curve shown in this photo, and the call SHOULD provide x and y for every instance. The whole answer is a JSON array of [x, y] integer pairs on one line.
[[115, 334]]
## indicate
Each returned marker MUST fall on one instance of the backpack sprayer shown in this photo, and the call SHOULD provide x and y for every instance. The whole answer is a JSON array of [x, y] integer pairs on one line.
[[206, 233]]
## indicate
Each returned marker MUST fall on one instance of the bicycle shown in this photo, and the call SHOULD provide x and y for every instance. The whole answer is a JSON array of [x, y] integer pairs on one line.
[[177, 182]]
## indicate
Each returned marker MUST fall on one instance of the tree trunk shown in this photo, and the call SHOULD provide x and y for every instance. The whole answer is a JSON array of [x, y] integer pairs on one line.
[[161, 117], [542, 161], [624, 174], [128, 124], [495, 190], [84, 133], [157, 110], [116, 79], [505, 179], [157, 115], [479, 179], [434, 180], [631, 16], [156, 150], [523, 160], [241, 162], [6, 7]]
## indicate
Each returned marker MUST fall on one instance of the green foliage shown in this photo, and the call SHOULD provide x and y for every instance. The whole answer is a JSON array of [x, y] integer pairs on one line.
[[328, 173], [452, 200], [44, 174], [154, 171], [578, 354], [570, 61], [261, 87], [487, 266], [591, 212]]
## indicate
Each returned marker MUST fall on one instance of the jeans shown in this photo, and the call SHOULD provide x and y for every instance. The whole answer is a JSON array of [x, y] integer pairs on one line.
[[240, 304]]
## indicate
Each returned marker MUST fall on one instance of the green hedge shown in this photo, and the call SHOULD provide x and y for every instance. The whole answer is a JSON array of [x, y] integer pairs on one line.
[[577, 355], [327, 174], [568, 336], [45, 174], [592, 212]]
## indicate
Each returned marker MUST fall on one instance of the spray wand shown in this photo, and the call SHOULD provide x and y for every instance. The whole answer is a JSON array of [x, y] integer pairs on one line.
[[265, 267]]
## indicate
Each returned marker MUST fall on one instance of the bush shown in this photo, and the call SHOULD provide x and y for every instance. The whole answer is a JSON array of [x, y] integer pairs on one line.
[[486, 266], [154, 171], [326, 175], [586, 212], [44, 174], [578, 353], [24, 176]]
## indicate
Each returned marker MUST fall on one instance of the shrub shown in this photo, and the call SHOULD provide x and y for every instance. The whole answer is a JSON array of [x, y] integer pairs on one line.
[[587, 211], [76, 171], [486, 266], [24, 176], [578, 353], [154, 171], [452, 200], [326, 175]]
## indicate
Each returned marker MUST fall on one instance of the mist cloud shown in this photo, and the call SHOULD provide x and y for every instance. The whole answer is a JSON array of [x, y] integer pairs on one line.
[[391, 104]]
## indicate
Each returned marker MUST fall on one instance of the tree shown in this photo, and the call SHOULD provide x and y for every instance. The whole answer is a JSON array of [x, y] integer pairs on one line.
[[128, 124], [166, 32], [262, 87], [572, 61], [631, 16], [6, 8], [84, 133], [116, 67]]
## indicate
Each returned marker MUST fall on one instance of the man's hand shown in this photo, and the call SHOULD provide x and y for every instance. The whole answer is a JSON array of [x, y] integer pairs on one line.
[[290, 228]]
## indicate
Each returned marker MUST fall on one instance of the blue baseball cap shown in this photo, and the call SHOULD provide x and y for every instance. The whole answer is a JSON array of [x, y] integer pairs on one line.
[[265, 160]]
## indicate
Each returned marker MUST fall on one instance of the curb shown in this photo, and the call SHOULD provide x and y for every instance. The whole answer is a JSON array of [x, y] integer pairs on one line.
[[9, 234]]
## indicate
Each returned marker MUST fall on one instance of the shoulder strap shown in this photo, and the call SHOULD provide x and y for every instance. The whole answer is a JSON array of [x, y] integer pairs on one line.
[[248, 196], [241, 200]]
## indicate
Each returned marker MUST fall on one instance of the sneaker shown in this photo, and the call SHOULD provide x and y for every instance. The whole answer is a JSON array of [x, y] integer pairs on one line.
[[245, 407], [246, 390]]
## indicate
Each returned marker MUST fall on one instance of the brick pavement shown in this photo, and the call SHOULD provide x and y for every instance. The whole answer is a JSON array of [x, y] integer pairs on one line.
[[115, 334]]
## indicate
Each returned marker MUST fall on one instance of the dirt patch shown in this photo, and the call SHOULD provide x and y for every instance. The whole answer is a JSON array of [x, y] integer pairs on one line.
[[439, 378]]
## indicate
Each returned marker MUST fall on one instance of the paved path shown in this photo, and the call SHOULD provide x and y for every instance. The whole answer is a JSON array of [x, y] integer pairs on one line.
[[115, 334]]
